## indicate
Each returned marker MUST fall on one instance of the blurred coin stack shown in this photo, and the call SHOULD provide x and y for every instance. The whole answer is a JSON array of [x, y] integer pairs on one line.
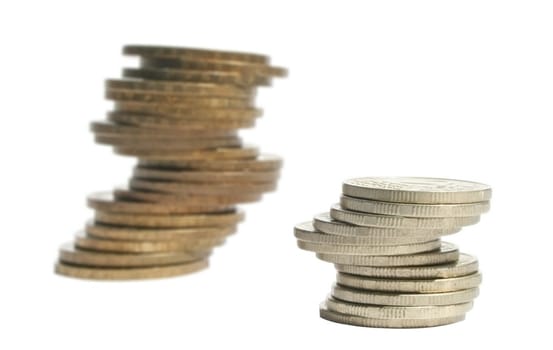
[[179, 114], [384, 239]]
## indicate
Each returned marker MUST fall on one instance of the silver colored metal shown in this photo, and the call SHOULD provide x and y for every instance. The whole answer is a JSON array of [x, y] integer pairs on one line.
[[364, 250]]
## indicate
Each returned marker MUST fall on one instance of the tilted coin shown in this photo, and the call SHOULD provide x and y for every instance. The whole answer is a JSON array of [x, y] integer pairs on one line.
[[126, 233], [170, 88], [157, 122], [70, 255], [324, 223], [397, 312], [85, 242], [203, 64], [447, 253], [176, 100], [377, 220], [188, 113], [414, 210], [353, 320], [417, 190], [221, 153], [167, 144], [194, 188], [306, 232], [466, 265], [365, 250], [124, 193], [438, 285], [105, 201], [179, 52], [200, 176], [360, 296], [107, 128], [263, 162], [76, 271], [243, 78], [161, 221]]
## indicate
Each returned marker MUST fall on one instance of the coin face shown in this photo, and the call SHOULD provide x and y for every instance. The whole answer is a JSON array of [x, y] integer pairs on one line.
[[417, 190]]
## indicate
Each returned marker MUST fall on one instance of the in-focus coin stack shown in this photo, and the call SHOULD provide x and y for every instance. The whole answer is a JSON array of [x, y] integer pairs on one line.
[[384, 238], [179, 114]]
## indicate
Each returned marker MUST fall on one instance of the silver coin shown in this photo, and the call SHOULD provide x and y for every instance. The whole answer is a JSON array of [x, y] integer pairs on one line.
[[365, 250], [438, 285], [377, 220], [417, 190], [446, 254], [414, 210]]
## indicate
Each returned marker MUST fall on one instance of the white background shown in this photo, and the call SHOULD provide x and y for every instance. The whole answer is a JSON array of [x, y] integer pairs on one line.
[[459, 89]]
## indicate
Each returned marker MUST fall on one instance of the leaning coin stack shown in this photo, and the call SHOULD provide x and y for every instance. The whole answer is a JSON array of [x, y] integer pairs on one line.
[[179, 114], [384, 238]]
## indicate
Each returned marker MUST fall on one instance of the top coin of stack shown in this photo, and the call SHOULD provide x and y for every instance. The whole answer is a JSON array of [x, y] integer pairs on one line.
[[179, 114], [393, 268]]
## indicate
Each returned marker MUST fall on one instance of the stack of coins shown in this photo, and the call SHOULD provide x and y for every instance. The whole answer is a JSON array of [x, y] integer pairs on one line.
[[179, 114], [384, 239]]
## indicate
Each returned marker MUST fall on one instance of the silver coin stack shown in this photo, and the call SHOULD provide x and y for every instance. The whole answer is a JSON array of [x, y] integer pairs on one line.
[[384, 238]]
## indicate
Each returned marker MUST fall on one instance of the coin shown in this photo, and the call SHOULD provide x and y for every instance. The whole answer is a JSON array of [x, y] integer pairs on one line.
[[167, 144], [324, 223], [438, 285], [182, 101], [169, 88], [417, 190], [338, 317], [85, 242], [205, 176], [217, 77], [414, 210], [126, 233], [178, 52], [130, 273], [447, 253], [199, 189], [105, 201], [112, 129], [184, 199], [162, 221], [70, 255], [466, 265], [402, 299], [188, 113], [377, 220], [221, 153], [365, 250], [263, 162], [306, 232], [156, 122]]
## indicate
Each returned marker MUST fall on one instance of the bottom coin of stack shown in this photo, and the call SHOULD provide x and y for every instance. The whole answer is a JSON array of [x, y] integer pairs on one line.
[[385, 241]]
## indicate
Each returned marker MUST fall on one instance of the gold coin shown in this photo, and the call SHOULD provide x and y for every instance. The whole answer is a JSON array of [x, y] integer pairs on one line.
[[85, 242], [194, 53], [130, 273], [353, 320], [222, 153], [70, 255], [466, 265], [185, 113], [447, 253], [184, 199], [106, 128], [376, 220], [397, 312], [243, 78], [438, 285], [194, 188], [105, 201], [324, 223], [156, 122], [414, 210], [264, 162], [156, 234], [198, 176], [121, 95], [166, 88], [167, 144], [163, 221], [360, 296]]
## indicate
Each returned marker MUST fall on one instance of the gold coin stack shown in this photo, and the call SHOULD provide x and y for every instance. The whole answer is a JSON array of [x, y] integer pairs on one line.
[[179, 114], [384, 238]]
